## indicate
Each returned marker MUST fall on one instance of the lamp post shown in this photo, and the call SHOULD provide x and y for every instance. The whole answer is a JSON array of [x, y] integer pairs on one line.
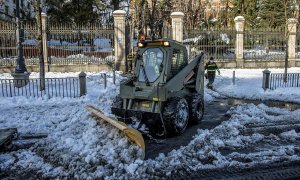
[[21, 75], [20, 67]]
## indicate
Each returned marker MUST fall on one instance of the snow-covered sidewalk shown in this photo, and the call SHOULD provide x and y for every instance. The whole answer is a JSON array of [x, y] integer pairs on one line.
[[248, 85]]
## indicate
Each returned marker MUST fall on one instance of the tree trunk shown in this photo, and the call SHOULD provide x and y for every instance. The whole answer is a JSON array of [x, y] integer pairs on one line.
[[38, 16]]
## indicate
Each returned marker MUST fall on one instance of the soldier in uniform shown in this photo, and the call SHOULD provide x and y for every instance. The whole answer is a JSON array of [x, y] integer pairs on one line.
[[211, 68], [130, 58]]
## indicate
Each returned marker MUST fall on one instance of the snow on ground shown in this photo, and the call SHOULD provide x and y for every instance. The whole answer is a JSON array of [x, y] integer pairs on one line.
[[78, 146], [249, 85]]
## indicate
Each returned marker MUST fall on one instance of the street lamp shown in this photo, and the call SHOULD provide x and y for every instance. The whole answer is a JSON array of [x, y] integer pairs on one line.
[[21, 76]]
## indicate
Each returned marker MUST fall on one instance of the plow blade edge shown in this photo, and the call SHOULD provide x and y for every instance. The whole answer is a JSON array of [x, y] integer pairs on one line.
[[133, 134]]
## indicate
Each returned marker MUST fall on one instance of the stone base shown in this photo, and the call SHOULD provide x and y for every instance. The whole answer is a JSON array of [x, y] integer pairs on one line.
[[292, 62], [240, 63], [20, 79]]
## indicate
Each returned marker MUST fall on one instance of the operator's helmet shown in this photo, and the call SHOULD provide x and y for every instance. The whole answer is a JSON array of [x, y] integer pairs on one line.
[[159, 55], [211, 58]]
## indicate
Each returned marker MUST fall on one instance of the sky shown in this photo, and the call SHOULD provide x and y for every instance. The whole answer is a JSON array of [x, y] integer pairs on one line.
[[79, 146]]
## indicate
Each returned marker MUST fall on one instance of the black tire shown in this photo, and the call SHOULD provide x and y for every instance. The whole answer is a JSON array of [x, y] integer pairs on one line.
[[176, 115], [196, 109]]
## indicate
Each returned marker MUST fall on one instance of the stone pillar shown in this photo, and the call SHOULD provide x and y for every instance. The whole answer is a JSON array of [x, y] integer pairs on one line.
[[239, 44], [177, 26], [44, 38], [292, 29], [119, 39]]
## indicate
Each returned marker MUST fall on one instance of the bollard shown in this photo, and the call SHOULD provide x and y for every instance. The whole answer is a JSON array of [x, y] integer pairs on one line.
[[105, 81], [266, 79], [82, 83], [114, 76], [233, 77]]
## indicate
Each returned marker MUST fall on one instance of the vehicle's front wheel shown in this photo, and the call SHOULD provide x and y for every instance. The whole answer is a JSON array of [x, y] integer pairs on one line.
[[196, 109], [176, 115]]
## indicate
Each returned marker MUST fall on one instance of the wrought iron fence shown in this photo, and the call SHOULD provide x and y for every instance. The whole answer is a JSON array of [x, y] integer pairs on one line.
[[219, 43], [298, 45], [80, 44], [277, 80], [8, 41], [54, 87], [167, 31], [11, 61], [264, 44], [88, 44]]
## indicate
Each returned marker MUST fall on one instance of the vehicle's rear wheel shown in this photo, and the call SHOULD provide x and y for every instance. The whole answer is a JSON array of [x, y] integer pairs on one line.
[[176, 115], [196, 109]]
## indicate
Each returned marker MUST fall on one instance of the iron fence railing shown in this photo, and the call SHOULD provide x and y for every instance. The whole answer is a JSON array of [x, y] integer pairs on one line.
[[81, 59], [219, 43], [80, 44], [12, 61], [91, 43], [277, 80], [54, 87], [297, 45], [167, 31], [264, 44], [8, 40]]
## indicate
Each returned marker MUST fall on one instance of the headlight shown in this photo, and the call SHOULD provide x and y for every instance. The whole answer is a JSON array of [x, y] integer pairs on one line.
[[140, 44], [166, 43]]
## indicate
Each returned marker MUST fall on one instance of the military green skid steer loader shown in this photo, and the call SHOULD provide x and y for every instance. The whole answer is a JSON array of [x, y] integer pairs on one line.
[[166, 90]]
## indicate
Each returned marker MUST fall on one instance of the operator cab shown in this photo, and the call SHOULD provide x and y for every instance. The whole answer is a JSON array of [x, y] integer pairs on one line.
[[159, 60]]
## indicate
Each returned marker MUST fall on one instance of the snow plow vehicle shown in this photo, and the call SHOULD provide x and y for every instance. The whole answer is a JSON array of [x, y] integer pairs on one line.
[[165, 91]]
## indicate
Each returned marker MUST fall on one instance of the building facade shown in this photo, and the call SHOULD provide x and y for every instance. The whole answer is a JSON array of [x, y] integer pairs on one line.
[[215, 7]]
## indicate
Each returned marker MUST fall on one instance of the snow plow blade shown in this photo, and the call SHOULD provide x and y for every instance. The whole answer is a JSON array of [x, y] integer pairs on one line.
[[133, 134]]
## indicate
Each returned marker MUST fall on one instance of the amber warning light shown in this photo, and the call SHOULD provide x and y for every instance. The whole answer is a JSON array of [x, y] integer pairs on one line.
[[155, 43]]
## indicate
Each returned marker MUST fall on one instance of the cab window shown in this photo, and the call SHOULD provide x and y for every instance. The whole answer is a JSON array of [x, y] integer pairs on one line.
[[151, 63], [178, 61]]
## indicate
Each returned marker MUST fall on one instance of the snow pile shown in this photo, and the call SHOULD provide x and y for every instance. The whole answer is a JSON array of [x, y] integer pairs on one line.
[[81, 147], [245, 140], [77, 146]]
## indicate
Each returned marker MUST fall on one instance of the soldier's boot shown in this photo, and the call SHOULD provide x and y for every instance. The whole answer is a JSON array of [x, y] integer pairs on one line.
[[210, 86]]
